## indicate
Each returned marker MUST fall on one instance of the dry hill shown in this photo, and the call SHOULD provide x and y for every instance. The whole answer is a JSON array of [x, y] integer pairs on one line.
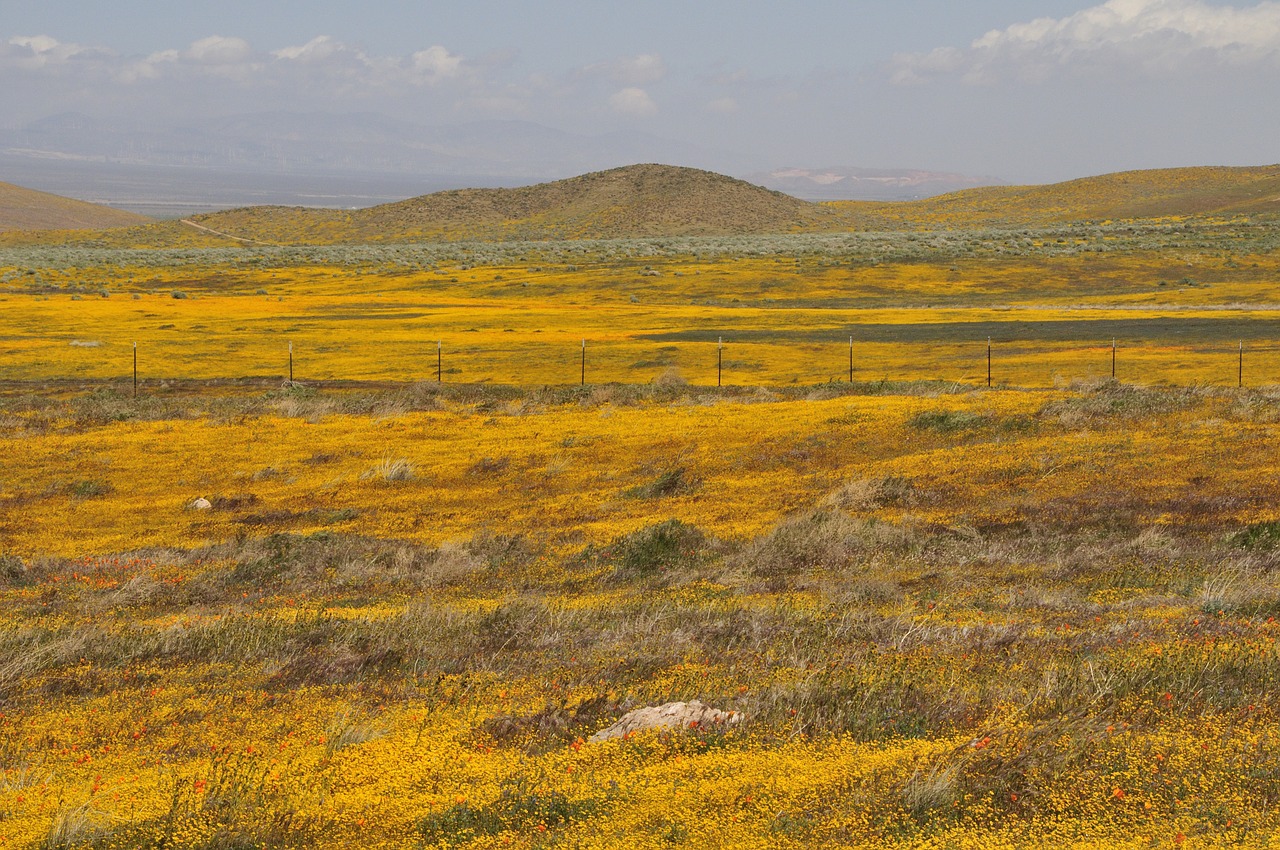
[[659, 200], [638, 200], [1155, 193], [27, 209]]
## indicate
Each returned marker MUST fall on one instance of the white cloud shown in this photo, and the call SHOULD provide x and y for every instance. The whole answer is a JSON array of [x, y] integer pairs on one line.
[[633, 101], [317, 49], [217, 50], [1154, 36], [323, 64], [435, 64], [640, 70], [38, 51]]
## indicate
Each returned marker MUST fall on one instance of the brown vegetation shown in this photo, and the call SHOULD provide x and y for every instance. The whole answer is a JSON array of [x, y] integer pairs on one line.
[[27, 209]]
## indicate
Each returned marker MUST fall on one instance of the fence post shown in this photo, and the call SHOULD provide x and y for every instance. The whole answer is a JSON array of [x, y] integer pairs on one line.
[[135, 368], [584, 362], [1113, 358], [1240, 368], [988, 361], [851, 360], [290, 364], [439, 371], [719, 360]]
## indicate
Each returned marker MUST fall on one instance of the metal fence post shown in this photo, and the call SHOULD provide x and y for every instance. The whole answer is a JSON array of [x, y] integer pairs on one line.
[[719, 360]]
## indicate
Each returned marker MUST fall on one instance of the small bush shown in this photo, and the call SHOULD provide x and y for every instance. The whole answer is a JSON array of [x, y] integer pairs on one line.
[[178, 294], [673, 482], [489, 466], [822, 540], [12, 570], [90, 489], [655, 549], [1260, 535], [947, 421]]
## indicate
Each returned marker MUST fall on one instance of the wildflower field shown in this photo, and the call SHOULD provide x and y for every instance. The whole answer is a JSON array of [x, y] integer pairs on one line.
[[1037, 615]]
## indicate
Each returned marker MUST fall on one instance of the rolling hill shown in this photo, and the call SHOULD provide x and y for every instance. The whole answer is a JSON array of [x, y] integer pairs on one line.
[[1155, 193], [657, 201], [634, 201], [27, 209]]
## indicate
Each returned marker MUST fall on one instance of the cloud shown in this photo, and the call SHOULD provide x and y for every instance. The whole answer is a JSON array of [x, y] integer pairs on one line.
[[217, 50], [1155, 37], [435, 64], [323, 61], [32, 52], [640, 70], [723, 105], [633, 101], [318, 49]]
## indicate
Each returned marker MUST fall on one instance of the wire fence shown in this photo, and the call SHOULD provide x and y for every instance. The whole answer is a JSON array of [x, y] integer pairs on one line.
[[720, 362]]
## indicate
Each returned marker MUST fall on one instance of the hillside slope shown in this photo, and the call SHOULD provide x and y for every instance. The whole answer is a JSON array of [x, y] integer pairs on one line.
[[27, 209], [1155, 193], [662, 201], [634, 201]]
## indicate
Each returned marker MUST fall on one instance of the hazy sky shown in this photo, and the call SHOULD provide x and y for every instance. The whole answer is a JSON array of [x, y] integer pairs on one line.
[[1034, 90]]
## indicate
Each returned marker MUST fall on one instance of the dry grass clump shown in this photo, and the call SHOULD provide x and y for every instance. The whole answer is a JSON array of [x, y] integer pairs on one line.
[[1094, 403], [390, 470], [821, 541], [868, 494]]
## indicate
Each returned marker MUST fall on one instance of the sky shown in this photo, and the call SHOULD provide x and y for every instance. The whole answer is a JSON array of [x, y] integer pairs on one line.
[[1028, 91]]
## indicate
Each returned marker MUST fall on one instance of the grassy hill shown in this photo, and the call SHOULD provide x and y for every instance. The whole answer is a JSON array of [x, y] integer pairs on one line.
[[661, 201], [638, 200], [27, 209], [1156, 193]]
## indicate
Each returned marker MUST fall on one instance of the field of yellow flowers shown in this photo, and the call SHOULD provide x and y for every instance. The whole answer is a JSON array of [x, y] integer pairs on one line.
[[951, 617], [1178, 307], [505, 501]]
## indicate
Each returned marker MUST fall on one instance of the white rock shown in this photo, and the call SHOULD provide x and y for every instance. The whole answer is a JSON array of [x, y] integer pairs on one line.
[[673, 715], [200, 504]]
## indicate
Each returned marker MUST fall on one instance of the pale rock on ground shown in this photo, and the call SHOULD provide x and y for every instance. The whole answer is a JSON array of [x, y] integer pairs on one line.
[[200, 505], [673, 715]]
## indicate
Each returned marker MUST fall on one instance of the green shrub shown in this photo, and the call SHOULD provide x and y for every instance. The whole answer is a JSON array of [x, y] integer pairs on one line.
[[947, 421], [1260, 535], [655, 549], [90, 489]]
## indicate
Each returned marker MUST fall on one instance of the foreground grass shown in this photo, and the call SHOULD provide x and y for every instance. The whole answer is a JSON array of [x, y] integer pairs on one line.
[[952, 618]]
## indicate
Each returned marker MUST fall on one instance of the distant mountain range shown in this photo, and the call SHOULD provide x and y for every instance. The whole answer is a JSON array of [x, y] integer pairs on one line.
[[357, 160]]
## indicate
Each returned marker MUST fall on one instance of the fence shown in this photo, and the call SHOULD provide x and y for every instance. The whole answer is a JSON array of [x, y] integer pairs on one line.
[[990, 362]]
